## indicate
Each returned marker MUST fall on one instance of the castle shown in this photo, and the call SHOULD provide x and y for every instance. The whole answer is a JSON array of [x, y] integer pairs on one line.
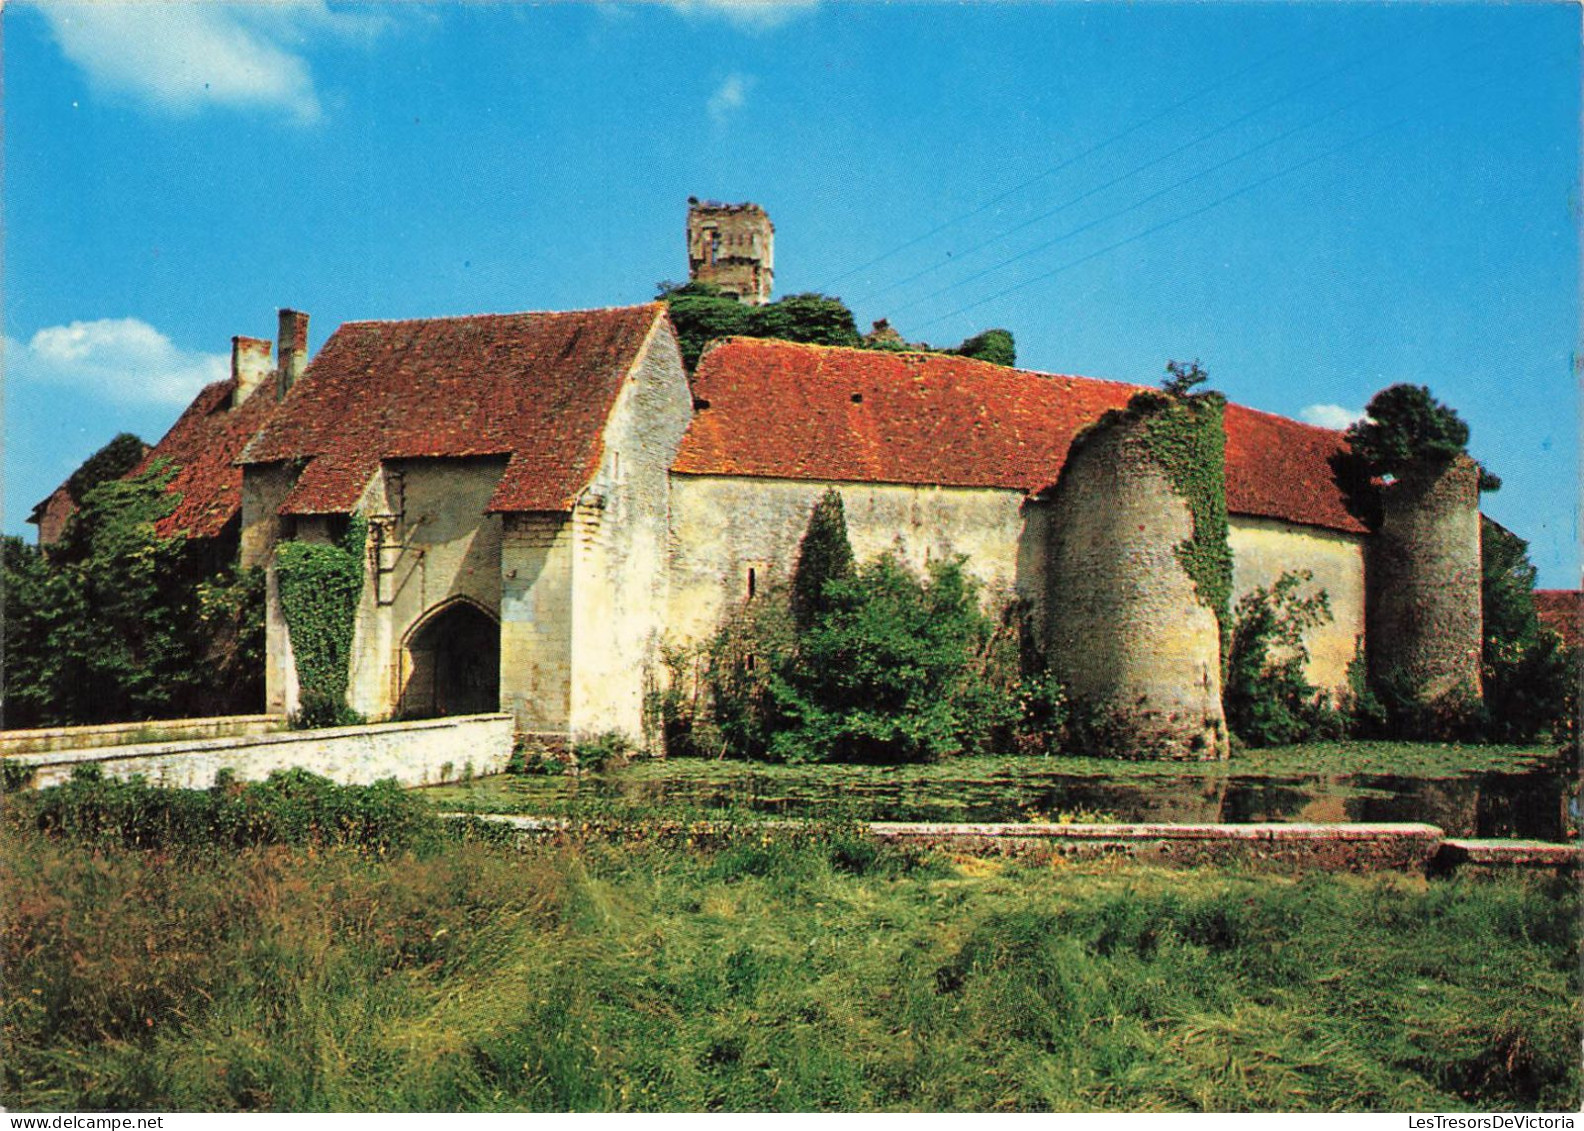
[[551, 499]]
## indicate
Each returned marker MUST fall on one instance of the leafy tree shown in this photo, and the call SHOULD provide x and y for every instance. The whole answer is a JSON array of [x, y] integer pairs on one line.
[[896, 669], [1530, 677], [994, 346], [814, 318], [824, 557], [122, 624], [112, 461], [702, 313]]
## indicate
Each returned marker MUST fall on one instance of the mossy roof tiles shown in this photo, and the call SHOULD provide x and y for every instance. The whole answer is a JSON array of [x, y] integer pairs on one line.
[[535, 387], [786, 410], [203, 445]]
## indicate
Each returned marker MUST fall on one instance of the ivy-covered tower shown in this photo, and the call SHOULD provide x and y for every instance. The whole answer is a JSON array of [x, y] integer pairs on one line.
[[1139, 577]]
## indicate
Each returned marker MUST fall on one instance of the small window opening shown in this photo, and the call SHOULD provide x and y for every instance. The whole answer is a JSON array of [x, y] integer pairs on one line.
[[700, 404], [857, 398], [753, 581], [748, 662]]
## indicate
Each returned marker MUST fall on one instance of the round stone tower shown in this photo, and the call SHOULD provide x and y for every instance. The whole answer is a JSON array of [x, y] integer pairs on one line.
[[1129, 636], [1424, 627], [732, 246]]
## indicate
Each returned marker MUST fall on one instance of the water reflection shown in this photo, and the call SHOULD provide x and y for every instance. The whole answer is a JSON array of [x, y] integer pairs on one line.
[[1531, 805]]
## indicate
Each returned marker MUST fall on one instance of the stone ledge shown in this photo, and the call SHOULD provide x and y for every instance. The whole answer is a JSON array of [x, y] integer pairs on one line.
[[1509, 854]]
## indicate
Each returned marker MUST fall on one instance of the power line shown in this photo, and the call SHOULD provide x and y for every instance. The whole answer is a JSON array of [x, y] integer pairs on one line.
[[1069, 234], [1176, 220], [1125, 176], [1093, 149]]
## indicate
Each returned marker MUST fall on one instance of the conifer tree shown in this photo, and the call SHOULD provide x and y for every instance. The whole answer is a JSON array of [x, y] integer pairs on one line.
[[825, 556]]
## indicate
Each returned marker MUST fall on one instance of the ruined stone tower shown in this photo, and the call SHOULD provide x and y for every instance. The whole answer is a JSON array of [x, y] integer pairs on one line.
[[1424, 623], [732, 246], [1128, 634]]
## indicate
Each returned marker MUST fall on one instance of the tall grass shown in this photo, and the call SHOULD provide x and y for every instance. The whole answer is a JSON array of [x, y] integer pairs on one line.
[[803, 970]]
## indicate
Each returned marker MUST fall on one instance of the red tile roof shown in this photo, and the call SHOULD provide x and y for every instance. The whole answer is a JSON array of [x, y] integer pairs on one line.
[[536, 387], [792, 411], [202, 444], [1563, 611]]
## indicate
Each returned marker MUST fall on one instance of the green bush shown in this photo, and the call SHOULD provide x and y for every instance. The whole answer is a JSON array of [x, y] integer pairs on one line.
[[290, 807], [1269, 702], [1531, 678]]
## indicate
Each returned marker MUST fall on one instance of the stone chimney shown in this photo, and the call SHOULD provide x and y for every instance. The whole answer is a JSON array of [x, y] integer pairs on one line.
[[291, 350], [250, 365]]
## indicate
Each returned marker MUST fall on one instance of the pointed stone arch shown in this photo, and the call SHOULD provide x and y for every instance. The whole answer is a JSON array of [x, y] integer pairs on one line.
[[451, 661]]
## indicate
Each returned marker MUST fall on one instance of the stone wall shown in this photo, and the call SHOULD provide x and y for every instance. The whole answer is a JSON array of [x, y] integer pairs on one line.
[[732, 246], [536, 620], [1264, 548], [121, 734], [1425, 618], [416, 753], [1138, 652], [620, 531], [430, 544], [731, 534]]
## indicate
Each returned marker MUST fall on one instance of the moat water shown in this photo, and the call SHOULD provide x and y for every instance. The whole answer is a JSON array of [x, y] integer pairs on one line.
[[1539, 804]]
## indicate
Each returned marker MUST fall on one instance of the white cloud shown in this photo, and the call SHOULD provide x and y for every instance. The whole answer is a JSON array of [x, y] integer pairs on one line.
[[183, 57], [122, 359], [750, 15], [1331, 415], [729, 97]]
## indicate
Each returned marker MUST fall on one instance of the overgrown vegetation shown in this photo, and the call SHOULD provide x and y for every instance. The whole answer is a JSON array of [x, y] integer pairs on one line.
[[1531, 678], [114, 460], [1269, 700], [292, 807], [1185, 433], [116, 623], [702, 313], [867, 663], [779, 970], [320, 586]]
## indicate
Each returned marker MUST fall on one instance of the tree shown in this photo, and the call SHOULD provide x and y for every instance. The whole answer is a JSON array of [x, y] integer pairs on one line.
[[114, 460], [702, 313], [815, 318], [1530, 677], [1269, 700], [824, 557], [1405, 426], [995, 346], [1183, 377], [121, 624]]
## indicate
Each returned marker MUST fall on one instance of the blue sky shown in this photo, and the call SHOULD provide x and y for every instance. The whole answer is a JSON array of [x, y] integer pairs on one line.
[[1315, 200]]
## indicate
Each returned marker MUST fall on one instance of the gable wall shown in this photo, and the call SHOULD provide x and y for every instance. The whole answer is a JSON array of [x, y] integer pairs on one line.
[[619, 536]]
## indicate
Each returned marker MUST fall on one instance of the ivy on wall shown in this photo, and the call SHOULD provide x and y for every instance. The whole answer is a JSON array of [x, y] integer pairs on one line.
[[1185, 434], [320, 586]]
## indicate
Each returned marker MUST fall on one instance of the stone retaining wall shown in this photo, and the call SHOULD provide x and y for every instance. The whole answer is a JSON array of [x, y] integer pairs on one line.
[[124, 734], [428, 752]]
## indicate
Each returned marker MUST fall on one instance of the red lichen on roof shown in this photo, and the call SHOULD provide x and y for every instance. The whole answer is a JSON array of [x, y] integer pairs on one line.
[[535, 387], [791, 411], [1563, 611], [203, 445]]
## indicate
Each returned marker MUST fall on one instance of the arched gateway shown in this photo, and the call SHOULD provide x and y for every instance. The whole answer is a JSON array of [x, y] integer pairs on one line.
[[452, 663]]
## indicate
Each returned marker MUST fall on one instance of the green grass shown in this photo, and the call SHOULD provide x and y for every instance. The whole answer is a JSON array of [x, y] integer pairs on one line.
[[785, 970], [955, 789]]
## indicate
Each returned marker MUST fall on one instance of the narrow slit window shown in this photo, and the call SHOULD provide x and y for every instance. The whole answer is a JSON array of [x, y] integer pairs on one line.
[[753, 581]]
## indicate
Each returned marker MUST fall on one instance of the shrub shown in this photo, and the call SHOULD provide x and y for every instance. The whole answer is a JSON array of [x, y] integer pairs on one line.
[[1269, 702], [290, 807], [1530, 677]]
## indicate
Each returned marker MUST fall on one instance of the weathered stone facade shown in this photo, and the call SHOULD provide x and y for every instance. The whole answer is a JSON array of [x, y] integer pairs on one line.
[[1425, 616], [1129, 637], [733, 247]]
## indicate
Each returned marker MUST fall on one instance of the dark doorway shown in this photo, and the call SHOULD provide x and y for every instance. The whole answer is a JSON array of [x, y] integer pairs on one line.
[[454, 664]]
